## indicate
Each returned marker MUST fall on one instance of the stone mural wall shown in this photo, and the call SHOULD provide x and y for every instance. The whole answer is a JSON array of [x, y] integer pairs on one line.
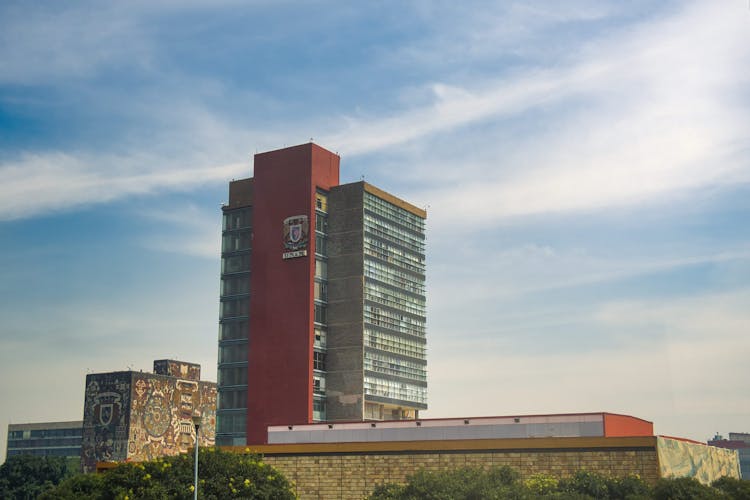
[[106, 412], [161, 415], [137, 416]]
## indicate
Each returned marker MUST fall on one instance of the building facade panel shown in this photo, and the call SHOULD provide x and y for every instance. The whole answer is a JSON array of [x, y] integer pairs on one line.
[[282, 309]]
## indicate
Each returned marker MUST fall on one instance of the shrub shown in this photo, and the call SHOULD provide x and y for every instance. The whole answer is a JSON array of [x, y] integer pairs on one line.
[[683, 488], [735, 488]]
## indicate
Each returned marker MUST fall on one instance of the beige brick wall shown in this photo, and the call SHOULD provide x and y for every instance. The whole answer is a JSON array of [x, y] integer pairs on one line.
[[355, 475]]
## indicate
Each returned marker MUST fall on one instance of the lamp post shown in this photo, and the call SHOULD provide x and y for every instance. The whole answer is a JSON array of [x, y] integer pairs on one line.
[[197, 425]]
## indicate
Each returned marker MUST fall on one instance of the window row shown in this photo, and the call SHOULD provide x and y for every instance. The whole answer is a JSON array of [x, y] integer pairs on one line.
[[389, 365], [230, 423], [233, 330], [395, 390], [232, 308], [46, 433], [234, 375], [237, 219], [395, 233], [232, 399], [394, 321], [389, 298], [235, 241], [395, 344], [394, 276], [44, 452], [383, 254], [235, 284], [405, 255], [390, 211], [235, 264], [234, 353], [40, 442]]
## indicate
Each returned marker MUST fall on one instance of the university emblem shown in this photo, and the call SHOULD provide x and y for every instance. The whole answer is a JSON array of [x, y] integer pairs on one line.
[[107, 407], [295, 232]]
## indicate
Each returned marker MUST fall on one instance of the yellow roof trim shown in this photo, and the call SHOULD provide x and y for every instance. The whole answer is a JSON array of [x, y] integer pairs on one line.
[[395, 200]]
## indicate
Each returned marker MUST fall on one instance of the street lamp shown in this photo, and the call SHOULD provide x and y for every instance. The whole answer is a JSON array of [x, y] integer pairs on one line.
[[197, 425]]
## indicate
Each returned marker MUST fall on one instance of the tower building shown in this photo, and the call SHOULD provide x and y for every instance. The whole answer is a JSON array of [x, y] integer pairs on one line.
[[322, 314]]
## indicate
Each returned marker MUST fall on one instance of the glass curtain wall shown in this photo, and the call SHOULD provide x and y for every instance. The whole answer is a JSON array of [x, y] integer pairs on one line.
[[321, 304], [395, 366], [233, 327]]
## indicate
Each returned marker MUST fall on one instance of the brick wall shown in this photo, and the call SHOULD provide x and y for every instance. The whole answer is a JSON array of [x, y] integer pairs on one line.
[[353, 474]]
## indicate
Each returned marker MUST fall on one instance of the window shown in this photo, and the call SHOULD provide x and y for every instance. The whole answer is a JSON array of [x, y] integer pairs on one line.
[[319, 360], [321, 223], [319, 385], [321, 202], [321, 291], [320, 313], [320, 337], [321, 269], [232, 376], [235, 353], [320, 244], [233, 330]]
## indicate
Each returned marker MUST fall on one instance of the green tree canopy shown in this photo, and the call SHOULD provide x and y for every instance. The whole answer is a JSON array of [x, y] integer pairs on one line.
[[222, 475], [25, 477]]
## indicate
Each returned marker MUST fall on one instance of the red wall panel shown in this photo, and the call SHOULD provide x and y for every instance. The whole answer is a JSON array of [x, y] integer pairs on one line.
[[281, 291], [625, 425]]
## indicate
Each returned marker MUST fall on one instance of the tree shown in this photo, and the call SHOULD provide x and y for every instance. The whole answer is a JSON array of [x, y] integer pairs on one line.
[[465, 483], [222, 475], [26, 477]]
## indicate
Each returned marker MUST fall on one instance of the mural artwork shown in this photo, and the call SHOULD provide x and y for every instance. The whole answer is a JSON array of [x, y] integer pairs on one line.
[[105, 419], [137, 416]]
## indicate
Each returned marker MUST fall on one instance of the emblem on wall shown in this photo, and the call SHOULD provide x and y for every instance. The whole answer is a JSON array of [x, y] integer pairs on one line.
[[296, 229], [107, 407]]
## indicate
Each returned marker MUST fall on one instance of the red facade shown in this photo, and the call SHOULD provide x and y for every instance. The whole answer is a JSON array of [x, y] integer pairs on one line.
[[281, 305]]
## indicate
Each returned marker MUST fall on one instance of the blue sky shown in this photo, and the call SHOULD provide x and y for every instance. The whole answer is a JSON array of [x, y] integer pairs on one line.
[[585, 165]]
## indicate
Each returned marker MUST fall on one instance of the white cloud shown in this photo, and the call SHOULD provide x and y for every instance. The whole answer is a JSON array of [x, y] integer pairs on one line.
[[39, 183]]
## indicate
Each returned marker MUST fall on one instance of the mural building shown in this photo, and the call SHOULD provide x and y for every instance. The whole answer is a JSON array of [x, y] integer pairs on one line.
[[135, 416]]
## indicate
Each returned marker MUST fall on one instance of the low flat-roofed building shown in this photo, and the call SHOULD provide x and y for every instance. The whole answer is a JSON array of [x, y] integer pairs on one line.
[[521, 426], [54, 439]]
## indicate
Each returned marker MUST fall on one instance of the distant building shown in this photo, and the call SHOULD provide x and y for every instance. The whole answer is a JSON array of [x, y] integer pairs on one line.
[[322, 306], [139, 416], [48, 439], [739, 441]]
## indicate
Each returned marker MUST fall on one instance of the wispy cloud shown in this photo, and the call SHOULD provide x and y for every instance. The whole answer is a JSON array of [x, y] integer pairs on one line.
[[654, 110], [39, 183], [190, 231]]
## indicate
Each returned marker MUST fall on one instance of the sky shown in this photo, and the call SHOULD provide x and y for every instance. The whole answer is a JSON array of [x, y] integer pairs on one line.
[[585, 166]]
